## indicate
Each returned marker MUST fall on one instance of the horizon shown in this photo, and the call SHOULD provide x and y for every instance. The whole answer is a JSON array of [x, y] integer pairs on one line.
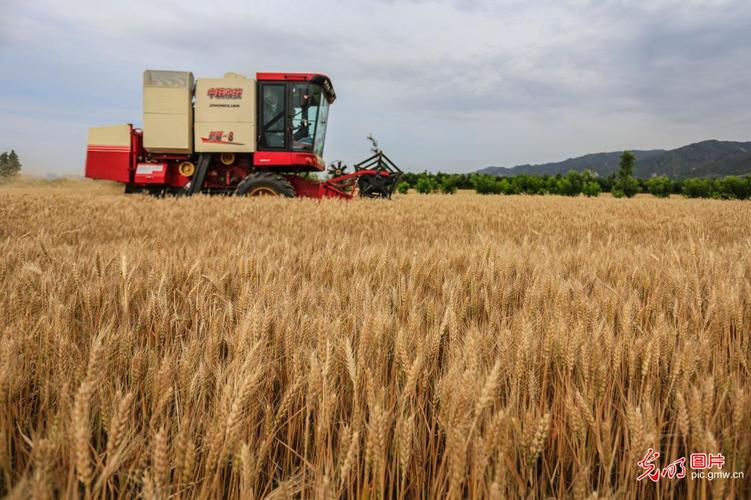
[[74, 175]]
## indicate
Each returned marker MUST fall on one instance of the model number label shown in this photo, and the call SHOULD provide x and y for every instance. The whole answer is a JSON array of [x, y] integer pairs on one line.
[[218, 137], [225, 93]]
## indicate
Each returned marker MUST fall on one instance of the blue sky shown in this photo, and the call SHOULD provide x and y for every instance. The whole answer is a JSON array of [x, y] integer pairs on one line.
[[443, 85]]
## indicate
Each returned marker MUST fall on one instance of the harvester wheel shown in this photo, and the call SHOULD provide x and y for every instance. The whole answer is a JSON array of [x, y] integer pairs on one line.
[[265, 184]]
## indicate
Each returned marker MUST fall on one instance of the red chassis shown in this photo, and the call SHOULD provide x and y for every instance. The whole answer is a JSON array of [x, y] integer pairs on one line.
[[160, 173]]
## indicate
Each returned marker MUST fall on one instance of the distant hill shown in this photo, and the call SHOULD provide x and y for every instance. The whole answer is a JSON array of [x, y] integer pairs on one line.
[[708, 158]]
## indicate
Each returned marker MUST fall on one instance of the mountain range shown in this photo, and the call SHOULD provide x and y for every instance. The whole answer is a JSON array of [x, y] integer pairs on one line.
[[703, 159]]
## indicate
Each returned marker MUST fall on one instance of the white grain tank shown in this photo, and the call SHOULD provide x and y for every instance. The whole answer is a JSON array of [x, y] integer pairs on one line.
[[168, 112]]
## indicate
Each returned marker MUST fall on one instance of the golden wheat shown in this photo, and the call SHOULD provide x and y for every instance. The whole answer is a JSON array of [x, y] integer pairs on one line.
[[430, 346]]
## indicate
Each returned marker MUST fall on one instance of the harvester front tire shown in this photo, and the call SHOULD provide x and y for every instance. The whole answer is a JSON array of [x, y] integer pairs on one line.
[[265, 184]]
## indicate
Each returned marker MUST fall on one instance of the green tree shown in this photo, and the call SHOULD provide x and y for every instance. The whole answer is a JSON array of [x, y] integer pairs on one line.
[[403, 188], [697, 188], [410, 178], [733, 187], [625, 182], [571, 185], [591, 189], [486, 184], [564, 187], [448, 186], [506, 186], [14, 163], [627, 163], [426, 184], [551, 183], [660, 186], [3, 164], [529, 184]]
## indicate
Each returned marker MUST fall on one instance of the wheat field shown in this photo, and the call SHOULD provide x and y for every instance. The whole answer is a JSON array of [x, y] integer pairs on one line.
[[425, 347]]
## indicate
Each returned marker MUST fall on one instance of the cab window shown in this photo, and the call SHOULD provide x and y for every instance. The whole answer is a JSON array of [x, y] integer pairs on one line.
[[273, 116]]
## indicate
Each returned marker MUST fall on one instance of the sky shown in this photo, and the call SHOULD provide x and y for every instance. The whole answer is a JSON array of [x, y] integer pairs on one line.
[[442, 84]]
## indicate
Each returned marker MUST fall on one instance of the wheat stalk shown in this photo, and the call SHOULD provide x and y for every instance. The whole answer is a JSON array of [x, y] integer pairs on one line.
[[429, 347]]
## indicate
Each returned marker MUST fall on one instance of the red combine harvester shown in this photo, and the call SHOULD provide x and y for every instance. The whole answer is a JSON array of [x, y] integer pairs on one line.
[[234, 136]]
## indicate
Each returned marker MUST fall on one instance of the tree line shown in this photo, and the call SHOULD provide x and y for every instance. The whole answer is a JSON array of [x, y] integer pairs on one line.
[[10, 164], [621, 184]]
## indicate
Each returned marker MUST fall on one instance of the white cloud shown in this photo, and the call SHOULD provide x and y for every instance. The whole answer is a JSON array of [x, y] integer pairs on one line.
[[453, 85]]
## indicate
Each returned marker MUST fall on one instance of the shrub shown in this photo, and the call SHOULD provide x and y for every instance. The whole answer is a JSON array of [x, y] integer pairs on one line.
[[732, 187], [507, 186], [697, 188], [426, 185], [571, 185], [530, 184], [448, 186], [563, 187], [659, 186], [486, 184], [403, 188], [626, 188], [591, 189]]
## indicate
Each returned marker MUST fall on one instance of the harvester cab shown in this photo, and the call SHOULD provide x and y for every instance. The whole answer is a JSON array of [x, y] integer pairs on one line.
[[232, 135]]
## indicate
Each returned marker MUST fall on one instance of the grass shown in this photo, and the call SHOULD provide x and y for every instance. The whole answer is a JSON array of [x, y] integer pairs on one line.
[[430, 346]]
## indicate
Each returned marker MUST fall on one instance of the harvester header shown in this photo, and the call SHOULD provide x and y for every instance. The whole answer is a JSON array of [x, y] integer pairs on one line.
[[232, 135]]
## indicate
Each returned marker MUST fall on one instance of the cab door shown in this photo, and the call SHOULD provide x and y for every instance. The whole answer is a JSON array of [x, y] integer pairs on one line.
[[272, 119]]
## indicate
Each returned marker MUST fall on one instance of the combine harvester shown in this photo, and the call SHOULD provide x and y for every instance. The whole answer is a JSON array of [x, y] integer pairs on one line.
[[235, 136]]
